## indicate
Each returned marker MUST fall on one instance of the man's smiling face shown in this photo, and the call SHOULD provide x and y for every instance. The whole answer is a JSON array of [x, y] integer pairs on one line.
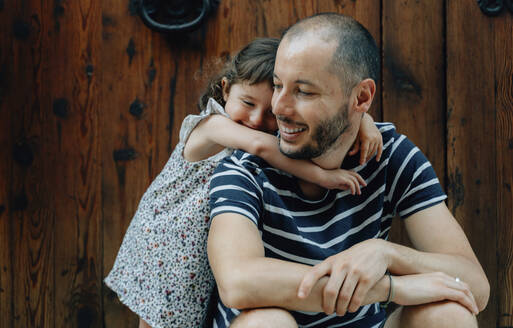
[[310, 105]]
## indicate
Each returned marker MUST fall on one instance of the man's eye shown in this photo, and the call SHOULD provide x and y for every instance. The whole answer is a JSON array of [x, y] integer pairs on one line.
[[276, 86], [304, 93]]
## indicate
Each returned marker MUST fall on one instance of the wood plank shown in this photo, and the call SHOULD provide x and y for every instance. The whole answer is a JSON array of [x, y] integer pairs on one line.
[[413, 80], [30, 233], [6, 141], [503, 28], [137, 76], [472, 182], [70, 100]]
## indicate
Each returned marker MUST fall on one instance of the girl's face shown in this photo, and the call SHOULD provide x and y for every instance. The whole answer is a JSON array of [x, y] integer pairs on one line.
[[250, 105]]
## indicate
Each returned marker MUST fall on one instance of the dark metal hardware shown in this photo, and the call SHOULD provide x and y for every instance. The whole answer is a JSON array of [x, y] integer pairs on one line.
[[494, 7], [509, 4], [171, 16]]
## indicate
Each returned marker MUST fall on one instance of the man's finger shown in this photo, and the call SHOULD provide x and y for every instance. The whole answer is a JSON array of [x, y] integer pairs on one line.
[[346, 293], [311, 277], [462, 298], [359, 294], [464, 288], [331, 291]]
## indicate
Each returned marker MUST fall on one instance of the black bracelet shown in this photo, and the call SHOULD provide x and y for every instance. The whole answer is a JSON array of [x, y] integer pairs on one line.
[[384, 305]]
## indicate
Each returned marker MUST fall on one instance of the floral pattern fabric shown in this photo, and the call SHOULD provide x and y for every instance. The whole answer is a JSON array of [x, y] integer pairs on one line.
[[161, 271]]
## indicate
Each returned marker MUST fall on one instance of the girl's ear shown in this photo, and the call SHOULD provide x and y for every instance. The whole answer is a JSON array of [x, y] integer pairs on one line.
[[225, 85]]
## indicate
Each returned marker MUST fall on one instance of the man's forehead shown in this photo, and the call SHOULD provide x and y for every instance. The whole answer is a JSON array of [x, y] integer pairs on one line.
[[304, 54], [307, 41]]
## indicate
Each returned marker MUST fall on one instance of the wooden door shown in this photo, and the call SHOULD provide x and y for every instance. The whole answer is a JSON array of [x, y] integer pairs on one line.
[[91, 103]]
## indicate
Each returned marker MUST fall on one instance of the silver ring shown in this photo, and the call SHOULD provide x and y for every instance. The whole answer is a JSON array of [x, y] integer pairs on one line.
[[457, 279]]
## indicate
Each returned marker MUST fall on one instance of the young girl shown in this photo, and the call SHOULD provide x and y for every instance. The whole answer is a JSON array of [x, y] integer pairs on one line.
[[161, 271]]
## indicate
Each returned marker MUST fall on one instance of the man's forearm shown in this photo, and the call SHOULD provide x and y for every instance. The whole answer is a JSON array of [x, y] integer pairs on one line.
[[267, 282], [406, 261]]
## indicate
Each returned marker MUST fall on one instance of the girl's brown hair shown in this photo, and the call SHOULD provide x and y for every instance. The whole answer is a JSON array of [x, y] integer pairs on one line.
[[252, 64]]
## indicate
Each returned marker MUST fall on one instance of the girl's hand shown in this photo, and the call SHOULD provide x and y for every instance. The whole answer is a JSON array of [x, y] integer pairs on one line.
[[342, 179], [368, 141]]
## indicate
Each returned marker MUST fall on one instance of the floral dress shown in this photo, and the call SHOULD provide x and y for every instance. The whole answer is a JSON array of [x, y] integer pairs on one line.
[[161, 271]]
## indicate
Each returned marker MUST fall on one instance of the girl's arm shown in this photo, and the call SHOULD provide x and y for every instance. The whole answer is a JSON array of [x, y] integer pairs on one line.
[[217, 132], [368, 141]]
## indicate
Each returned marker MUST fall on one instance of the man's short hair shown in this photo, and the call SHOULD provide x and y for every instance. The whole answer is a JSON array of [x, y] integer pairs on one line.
[[356, 57]]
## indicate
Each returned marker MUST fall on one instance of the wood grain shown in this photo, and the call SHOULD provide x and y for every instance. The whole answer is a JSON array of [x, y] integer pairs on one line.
[[131, 76], [503, 45], [471, 143], [414, 79], [70, 102], [6, 153], [31, 230], [80, 81]]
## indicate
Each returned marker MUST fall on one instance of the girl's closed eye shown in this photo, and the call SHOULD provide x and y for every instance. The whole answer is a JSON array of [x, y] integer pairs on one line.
[[248, 103]]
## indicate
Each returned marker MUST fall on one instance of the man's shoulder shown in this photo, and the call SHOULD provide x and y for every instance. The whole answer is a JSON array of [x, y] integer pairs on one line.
[[387, 130], [243, 160]]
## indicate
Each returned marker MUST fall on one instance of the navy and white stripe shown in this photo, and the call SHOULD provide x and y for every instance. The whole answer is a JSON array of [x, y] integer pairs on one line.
[[307, 231]]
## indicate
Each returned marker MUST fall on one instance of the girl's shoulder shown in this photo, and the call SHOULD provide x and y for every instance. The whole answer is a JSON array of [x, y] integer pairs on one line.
[[191, 121]]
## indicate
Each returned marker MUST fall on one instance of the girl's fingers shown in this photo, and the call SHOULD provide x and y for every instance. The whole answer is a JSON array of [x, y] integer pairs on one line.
[[357, 186], [363, 151], [348, 182], [311, 277], [358, 177], [371, 151], [380, 151]]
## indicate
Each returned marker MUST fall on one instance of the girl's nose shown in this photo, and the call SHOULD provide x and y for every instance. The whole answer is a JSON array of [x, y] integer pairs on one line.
[[256, 119]]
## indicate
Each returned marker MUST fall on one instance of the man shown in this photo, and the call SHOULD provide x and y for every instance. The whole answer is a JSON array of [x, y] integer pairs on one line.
[[285, 252]]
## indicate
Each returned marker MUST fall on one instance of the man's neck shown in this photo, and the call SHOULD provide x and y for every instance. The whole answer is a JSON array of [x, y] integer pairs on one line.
[[330, 160]]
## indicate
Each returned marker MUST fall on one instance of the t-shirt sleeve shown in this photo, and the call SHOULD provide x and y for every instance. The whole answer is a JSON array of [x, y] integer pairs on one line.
[[234, 189], [412, 184]]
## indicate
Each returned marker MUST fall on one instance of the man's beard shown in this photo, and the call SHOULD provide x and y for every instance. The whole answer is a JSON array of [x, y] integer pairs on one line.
[[324, 136]]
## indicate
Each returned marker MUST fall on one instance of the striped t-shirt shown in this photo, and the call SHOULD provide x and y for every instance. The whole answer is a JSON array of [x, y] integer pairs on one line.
[[295, 228]]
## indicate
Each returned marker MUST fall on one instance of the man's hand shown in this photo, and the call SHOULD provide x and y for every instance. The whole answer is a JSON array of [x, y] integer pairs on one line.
[[352, 273], [425, 288]]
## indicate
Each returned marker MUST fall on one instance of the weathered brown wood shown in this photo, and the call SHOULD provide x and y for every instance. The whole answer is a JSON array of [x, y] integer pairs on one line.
[[471, 130], [413, 80], [67, 84], [503, 44], [31, 218], [70, 102], [6, 148], [132, 78]]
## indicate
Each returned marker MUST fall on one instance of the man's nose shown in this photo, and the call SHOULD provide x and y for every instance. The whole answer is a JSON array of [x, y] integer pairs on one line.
[[281, 103]]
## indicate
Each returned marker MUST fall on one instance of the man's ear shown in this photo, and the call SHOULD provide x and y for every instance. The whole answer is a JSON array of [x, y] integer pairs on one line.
[[225, 85], [364, 94]]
